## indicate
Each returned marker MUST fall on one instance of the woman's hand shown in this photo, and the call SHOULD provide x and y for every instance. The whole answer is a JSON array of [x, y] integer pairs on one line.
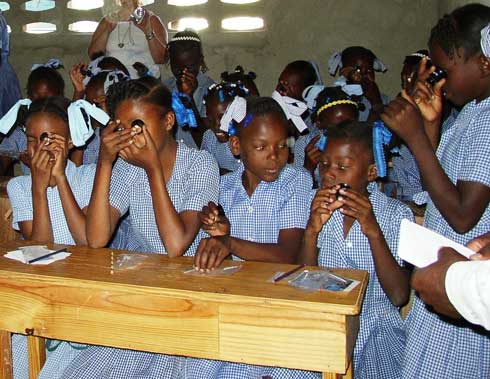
[[59, 149], [113, 138], [41, 167], [187, 83], [141, 151], [77, 77]]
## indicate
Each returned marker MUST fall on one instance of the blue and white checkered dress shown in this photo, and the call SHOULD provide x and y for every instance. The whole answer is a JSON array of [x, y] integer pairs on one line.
[[16, 141], [203, 83], [379, 346], [80, 180], [194, 183], [406, 173], [273, 206], [220, 151], [91, 151], [437, 348], [300, 146]]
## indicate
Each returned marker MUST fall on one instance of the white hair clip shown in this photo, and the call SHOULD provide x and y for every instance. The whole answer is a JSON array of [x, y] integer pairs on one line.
[[80, 128], [8, 120], [185, 38], [236, 111], [52, 63], [310, 94], [293, 109], [485, 41], [334, 63], [114, 77], [349, 89], [379, 66]]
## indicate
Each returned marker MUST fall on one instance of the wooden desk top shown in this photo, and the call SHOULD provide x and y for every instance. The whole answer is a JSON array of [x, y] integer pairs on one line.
[[159, 273]]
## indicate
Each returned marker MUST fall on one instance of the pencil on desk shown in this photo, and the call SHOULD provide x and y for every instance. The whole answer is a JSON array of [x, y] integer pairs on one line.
[[290, 272], [47, 255]]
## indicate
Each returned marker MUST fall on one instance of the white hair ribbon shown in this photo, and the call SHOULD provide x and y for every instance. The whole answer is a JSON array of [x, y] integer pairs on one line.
[[93, 69], [293, 109], [485, 41], [379, 66], [310, 94], [8, 120], [349, 89], [319, 80], [52, 63], [334, 63], [236, 111], [114, 77], [80, 128]]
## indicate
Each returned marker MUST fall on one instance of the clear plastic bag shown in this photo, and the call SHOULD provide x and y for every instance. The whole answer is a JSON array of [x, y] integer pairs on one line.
[[221, 271], [321, 280], [127, 261]]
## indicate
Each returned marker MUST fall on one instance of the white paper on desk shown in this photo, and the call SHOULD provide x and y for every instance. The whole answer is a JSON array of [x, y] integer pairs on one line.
[[28, 253], [420, 246]]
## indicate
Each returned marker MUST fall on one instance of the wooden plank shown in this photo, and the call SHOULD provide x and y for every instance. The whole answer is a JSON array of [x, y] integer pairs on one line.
[[7, 233], [37, 355], [6, 368]]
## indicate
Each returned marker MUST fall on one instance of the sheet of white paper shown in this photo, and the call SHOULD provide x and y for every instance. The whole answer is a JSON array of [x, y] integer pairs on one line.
[[420, 246], [33, 252]]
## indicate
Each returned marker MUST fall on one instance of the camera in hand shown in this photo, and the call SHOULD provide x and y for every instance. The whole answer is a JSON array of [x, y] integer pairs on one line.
[[138, 15], [342, 186], [436, 76]]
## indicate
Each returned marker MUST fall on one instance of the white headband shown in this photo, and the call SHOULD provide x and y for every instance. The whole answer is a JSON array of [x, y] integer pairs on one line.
[[419, 55], [8, 120], [485, 41], [293, 109], [52, 63], [80, 129], [335, 64], [185, 38], [236, 111]]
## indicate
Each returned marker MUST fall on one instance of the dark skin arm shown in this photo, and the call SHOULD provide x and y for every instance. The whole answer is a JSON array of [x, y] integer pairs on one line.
[[461, 205]]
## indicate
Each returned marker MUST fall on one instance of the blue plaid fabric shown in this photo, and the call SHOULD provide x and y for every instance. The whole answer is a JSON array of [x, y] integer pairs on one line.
[[220, 151], [16, 141], [405, 172], [80, 180], [300, 146], [380, 342], [91, 151], [194, 183], [203, 83], [437, 348], [273, 206]]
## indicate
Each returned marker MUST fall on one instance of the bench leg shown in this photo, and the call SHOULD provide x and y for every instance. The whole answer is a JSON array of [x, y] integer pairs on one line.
[[6, 369], [37, 355]]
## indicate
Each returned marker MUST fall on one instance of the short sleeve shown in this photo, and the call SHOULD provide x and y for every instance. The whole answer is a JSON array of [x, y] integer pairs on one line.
[[119, 193], [202, 184], [85, 184], [207, 141], [400, 212], [475, 151], [295, 212], [20, 195]]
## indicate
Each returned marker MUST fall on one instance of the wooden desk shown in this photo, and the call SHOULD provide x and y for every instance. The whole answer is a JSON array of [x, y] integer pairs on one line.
[[157, 308], [6, 231]]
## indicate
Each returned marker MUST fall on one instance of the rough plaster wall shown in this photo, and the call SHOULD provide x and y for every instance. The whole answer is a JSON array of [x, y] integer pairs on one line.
[[446, 6], [306, 29]]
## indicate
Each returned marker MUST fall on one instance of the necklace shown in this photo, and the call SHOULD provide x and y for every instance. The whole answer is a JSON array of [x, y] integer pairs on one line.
[[121, 44]]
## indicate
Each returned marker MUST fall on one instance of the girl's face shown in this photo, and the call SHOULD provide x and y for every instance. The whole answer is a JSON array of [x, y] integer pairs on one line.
[[41, 123], [357, 69], [262, 146], [42, 90], [185, 59], [464, 74], [347, 162], [290, 84], [132, 112], [336, 115], [214, 113]]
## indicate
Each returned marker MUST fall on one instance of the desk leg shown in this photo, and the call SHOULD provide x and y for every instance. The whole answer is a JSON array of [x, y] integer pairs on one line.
[[6, 369], [36, 348]]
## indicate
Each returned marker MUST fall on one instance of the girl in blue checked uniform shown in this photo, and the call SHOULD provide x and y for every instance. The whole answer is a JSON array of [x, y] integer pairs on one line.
[[44, 81], [457, 179], [164, 184], [332, 106], [49, 205], [262, 220], [188, 67], [215, 140], [359, 229]]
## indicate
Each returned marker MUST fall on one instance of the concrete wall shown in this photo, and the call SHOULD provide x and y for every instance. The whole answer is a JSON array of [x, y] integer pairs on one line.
[[306, 29]]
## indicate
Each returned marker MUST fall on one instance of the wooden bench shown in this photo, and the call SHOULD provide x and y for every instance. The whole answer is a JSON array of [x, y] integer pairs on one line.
[[7, 233], [155, 307]]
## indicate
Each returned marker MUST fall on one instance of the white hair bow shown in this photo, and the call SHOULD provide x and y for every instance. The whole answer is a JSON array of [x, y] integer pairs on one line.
[[236, 111], [310, 94], [80, 128], [52, 63], [93, 69], [8, 120], [293, 109], [349, 89], [485, 41], [319, 80], [334, 63], [114, 77]]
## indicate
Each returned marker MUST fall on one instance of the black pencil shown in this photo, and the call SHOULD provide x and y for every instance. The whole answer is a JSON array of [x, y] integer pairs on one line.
[[286, 274], [47, 255]]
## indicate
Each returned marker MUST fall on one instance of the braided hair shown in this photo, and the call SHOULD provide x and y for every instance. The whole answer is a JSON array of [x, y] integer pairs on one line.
[[240, 77], [332, 94], [46, 75], [185, 41], [57, 106], [461, 29]]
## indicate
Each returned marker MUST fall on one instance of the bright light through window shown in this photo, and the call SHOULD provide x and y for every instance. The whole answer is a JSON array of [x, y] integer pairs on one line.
[[189, 22], [186, 3], [83, 26], [39, 28], [85, 5], [239, 1], [4, 6], [242, 23], [147, 2], [39, 5]]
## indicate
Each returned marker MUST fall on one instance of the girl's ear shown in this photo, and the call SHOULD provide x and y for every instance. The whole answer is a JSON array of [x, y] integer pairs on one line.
[[235, 145], [372, 173], [70, 144], [169, 121], [484, 63]]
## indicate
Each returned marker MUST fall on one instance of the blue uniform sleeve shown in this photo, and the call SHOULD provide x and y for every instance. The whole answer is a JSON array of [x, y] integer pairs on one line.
[[20, 195], [119, 193], [295, 212]]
